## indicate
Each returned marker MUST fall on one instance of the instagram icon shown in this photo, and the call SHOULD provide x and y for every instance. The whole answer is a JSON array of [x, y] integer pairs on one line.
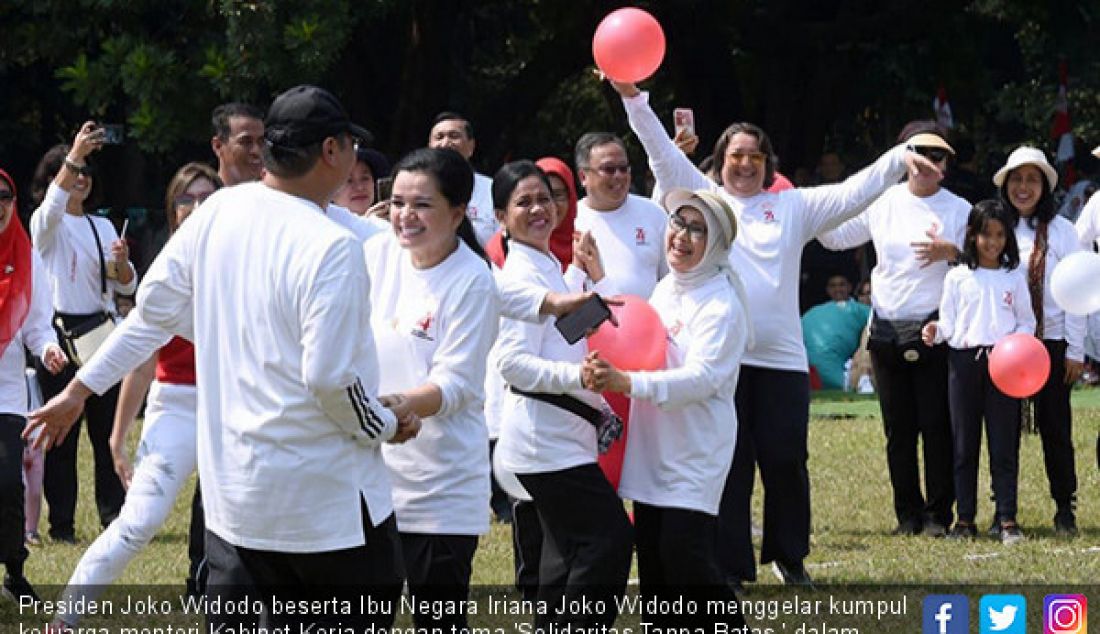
[[1065, 614]]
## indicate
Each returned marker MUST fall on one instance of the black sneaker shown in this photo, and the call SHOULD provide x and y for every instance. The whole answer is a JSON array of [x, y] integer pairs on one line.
[[933, 529], [1065, 522], [995, 528], [792, 574], [18, 588], [63, 537], [963, 530], [911, 526]]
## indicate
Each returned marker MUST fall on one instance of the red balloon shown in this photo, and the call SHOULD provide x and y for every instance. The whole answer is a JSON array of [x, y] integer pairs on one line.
[[628, 45], [1019, 365], [640, 340]]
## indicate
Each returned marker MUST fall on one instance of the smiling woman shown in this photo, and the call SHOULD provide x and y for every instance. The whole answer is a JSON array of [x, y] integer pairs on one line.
[[434, 316]]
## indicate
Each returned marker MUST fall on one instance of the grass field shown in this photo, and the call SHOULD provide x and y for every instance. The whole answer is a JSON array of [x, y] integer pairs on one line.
[[852, 517]]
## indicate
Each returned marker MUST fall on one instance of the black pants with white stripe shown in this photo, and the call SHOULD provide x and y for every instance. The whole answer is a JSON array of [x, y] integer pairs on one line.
[[973, 398], [913, 398], [773, 413], [587, 542]]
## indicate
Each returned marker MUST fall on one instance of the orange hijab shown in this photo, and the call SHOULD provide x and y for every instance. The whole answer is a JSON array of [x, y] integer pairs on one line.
[[15, 273]]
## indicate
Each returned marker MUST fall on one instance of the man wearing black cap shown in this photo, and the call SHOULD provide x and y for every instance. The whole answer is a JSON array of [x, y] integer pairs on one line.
[[296, 493]]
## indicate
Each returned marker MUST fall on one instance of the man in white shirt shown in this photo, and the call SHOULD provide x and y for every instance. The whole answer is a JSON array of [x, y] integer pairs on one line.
[[628, 230], [238, 135], [294, 486], [452, 130]]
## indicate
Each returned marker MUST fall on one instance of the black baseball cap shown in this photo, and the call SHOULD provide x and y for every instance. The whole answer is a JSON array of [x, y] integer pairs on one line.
[[308, 114]]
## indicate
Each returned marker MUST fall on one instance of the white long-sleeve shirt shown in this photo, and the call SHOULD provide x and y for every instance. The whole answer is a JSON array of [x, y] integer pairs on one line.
[[683, 422], [903, 287], [436, 326], [36, 333], [537, 437], [68, 249], [772, 228], [1062, 240], [1088, 223], [275, 298], [631, 241], [981, 306], [480, 209]]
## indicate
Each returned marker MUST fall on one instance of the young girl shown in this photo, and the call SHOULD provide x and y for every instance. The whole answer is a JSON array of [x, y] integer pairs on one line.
[[983, 301]]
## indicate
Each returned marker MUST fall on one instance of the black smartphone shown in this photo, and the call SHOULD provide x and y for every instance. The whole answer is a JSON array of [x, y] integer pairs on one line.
[[385, 189], [589, 316], [113, 134]]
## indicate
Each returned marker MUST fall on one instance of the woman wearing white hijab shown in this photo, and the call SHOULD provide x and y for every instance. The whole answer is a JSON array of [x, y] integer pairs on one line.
[[683, 422]]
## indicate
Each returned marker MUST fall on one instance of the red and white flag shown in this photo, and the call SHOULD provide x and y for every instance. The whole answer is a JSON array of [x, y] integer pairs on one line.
[[1062, 130], [942, 108]]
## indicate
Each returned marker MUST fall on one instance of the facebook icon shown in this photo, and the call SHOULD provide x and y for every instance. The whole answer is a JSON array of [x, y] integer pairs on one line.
[[946, 614]]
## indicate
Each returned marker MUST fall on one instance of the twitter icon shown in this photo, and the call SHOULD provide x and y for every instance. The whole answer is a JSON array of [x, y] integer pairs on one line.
[[1003, 614]]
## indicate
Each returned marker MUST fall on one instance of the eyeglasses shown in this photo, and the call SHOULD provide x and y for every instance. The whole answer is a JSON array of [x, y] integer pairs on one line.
[[610, 170], [934, 154], [755, 158], [6, 198], [187, 200], [677, 223]]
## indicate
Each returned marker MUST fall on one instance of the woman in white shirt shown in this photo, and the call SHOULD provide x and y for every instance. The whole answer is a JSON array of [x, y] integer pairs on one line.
[[587, 538], [683, 422], [917, 227], [24, 321], [1026, 185], [434, 316], [773, 390], [87, 264]]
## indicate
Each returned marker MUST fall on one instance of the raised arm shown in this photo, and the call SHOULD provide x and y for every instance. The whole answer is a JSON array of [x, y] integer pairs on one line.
[[671, 167], [47, 218], [850, 234]]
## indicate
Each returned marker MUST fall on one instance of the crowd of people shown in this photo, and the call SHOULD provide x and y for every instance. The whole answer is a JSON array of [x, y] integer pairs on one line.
[[338, 348]]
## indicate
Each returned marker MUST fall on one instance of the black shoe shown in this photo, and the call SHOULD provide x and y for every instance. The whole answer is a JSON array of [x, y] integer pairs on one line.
[[911, 526], [995, 528], [63, 537], [1011, 533], [964, 530], [933, 529], [1065, 522], [792, 574], [19, 589]]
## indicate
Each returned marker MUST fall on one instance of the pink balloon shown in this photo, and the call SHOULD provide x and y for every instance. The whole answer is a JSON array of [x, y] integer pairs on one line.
[[628, 45], [1019, 365], [638, 343]]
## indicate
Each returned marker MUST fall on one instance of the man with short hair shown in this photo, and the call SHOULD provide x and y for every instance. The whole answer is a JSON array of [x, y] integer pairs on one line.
[[275, 299], [452, 130], [238, 133], [629, 231]]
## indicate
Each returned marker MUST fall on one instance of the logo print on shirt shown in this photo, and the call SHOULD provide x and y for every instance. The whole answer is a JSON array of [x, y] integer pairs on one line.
[[639, 236], [675, 329], [422, 326], [1008, 298], [935, 228], [769, 214]]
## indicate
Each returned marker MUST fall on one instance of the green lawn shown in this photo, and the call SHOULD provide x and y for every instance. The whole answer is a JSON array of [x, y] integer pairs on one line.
[[852, 516]]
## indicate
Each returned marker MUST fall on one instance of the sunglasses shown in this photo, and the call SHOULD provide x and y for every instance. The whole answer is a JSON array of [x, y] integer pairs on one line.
[[756, 158], [187, 200], [677, 223], [6, 197], [934, 154]]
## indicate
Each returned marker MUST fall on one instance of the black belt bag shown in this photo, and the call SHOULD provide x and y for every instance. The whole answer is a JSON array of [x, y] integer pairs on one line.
[[609, 427], [901, 335]]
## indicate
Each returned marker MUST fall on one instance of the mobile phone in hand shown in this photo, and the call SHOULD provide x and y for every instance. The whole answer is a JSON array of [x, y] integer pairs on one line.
[[683, 119], [113, 133], [384, 189], [589, 316]]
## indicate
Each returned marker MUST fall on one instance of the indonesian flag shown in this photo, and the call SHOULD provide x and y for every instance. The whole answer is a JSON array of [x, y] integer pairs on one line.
[[1061, 130], [942, 108]]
